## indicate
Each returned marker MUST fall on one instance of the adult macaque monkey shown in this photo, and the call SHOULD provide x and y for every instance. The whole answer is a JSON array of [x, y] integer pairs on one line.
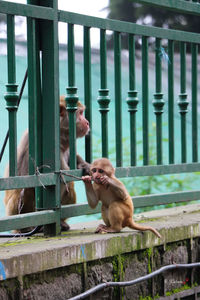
[[117, 206], [23, 200]]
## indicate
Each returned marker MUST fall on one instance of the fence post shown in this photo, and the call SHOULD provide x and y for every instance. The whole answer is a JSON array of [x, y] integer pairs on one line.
[[11, 97], [50, 112], [35, 100]]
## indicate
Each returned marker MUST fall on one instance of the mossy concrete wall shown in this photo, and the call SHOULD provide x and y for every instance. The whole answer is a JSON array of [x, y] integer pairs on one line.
[[62, 267]]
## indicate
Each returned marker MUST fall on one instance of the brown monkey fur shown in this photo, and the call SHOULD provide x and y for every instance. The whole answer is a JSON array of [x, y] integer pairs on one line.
[[117, 206], [23, 200]]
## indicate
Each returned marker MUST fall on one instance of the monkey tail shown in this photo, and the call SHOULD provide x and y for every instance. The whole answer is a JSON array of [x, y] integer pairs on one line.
[[136, 226]]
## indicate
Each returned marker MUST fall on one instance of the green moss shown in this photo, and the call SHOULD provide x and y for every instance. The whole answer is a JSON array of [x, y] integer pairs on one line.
[[149, 252], [175, 291], [149, 297], [148, 220]]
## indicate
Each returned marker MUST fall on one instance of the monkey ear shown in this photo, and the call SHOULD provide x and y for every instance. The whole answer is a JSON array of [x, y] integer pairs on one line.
[[62, 110]]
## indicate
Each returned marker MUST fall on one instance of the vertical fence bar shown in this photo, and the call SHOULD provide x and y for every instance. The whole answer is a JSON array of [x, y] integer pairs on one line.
[[118, 100], [132, 100], [145, 100], [51, 120], [158, 102], [87, 91], [35, 103], [11, 96], [71, 98], [171, 100], [103, 98], [183, 103], [194, 51]]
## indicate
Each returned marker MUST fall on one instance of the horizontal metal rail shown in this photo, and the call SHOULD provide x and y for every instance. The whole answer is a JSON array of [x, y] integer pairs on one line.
[[181, 6], [23, 220], [68, 211], [25, 10], [128, 27], [107, 24], [49, 179]]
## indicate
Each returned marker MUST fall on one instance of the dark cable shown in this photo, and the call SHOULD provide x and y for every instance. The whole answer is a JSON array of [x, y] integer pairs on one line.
[[24, 234], [128, 283]]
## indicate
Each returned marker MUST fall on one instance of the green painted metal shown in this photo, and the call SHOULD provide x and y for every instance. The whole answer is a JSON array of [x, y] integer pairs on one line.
[[25, 220], [171, 101], [178, 5], [132, 100], [160, 199], [88, 91], [194, 50], [32, 11], [42, 37], [158, 101], [145, 100], [50, 124], [127, 27], [183, 103], [71, 98], [11, 96], [118, 99], [35, 101], [103, 98]]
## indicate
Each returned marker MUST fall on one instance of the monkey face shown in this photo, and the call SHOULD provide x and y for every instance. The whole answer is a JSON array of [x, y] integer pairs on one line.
[[97, 173], [82, 124]]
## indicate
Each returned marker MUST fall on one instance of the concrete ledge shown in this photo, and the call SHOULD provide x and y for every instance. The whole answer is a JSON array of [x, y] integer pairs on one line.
[[19, 257]]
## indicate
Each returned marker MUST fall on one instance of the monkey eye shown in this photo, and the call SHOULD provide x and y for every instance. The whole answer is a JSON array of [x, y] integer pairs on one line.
[[101, 170], [94, 170]]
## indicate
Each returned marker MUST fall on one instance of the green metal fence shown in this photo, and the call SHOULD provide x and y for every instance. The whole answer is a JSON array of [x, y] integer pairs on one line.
[[43, 89]]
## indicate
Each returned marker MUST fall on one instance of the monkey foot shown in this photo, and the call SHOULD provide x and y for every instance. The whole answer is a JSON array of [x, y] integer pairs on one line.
[[100, 228], [64, 226]]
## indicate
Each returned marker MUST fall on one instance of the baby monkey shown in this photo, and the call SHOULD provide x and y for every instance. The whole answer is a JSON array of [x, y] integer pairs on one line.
[[117, 206]]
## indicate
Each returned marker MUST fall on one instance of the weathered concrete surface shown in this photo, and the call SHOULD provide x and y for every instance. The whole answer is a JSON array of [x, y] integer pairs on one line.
[[38, 267]]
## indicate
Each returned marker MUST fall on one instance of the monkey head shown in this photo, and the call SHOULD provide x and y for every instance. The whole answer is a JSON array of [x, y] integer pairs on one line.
[[101, 167], [82, 124]]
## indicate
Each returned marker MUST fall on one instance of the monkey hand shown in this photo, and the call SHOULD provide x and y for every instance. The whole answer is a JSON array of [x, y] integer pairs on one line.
[[87, 179], [104, 180]]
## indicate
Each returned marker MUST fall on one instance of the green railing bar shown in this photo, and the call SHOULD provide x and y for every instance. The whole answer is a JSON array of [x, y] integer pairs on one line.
[[178, 5], [194, 51], [145, 100], [11, 49], [51, 122], [35, 102], [25, 10], [115, 25], [118, 99], [171, 100], [72, 98], [27, 220], [132, 100], [11, 96], [103, 98], [32, 94], [50, 179], [49, 216], [68, 211], [183, 103], [88, 92], [44, 179], [158, 101], [157, 170], [71, 56], [127, 27], [163, 199]]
